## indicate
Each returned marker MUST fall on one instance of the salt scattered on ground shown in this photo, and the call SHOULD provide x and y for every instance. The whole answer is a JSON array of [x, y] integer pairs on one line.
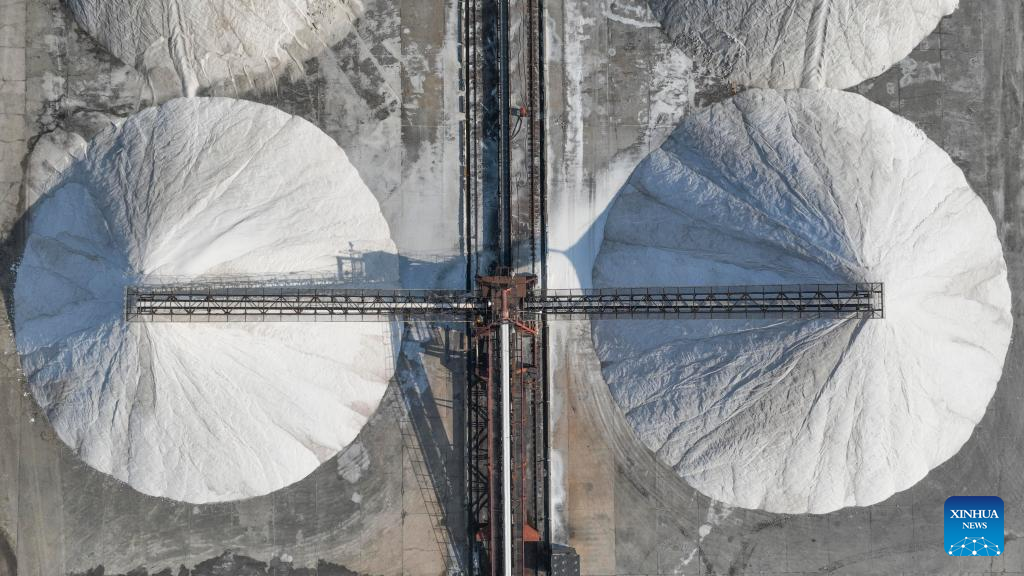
[[799, 43], [805, 416], [353, 463], [201, 188]]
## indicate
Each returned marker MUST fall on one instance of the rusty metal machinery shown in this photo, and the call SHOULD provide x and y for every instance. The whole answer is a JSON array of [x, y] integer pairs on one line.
[[508, 396]]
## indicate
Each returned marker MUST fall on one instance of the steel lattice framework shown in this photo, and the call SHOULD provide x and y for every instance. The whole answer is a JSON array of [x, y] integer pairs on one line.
[[795, 301], [268, 304]]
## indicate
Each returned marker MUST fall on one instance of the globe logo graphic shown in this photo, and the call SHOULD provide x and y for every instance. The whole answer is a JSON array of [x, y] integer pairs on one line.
[[974, 547], [974, 526]]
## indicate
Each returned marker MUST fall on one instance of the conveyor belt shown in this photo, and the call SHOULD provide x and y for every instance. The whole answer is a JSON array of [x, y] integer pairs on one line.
[[220, 304]]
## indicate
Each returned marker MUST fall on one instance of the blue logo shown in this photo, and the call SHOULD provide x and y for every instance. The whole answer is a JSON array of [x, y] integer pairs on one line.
[[974, 526]]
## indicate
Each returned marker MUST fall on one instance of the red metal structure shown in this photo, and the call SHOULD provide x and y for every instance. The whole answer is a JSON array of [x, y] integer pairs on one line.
[[508, 428]]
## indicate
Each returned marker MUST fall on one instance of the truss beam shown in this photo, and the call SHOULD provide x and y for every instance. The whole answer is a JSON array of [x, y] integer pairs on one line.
[[836, 301], [200, 304], [220, 304]]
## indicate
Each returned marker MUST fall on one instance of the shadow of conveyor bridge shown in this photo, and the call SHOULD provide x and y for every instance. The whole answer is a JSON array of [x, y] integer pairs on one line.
[[431, 452]]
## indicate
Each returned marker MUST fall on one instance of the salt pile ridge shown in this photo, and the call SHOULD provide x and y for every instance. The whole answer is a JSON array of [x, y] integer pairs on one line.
[[805, 416], [800, 43], [201, 188], [182, 45]]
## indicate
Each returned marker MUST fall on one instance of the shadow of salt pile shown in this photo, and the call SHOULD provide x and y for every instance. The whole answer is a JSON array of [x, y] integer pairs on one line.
[[8, 562]]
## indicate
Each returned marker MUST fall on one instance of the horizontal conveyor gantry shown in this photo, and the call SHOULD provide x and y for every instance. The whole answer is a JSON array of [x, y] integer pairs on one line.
[[506, 394], [292, 304], [184, 303]]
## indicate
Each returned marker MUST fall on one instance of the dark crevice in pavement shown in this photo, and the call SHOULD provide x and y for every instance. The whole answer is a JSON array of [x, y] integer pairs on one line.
[[230, 564]]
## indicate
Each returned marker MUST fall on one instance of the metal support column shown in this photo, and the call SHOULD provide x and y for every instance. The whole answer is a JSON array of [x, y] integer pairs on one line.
[[506, 452]]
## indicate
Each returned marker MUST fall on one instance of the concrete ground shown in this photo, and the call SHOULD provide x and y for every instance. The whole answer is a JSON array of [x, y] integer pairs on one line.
[[389, 96]]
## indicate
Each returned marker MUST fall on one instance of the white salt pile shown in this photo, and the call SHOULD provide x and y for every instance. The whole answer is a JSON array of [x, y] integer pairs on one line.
[[183, 45], [799, 43], [200, 188], [805, 416]]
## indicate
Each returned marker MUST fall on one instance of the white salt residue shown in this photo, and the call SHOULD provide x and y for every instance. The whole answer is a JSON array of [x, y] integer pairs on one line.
[[564, 228], [800, 43], [629, 21], [200, 412], [353, 462], [53, 153], [631, 13], [917, 72], [576, 213], [185, 45], [805, 416], [717, 513], [575, 243], [672, 89], [558, 510]]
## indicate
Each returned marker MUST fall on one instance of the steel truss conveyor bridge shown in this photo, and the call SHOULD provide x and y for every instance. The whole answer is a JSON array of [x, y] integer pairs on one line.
[[506, 304], [185, 303]]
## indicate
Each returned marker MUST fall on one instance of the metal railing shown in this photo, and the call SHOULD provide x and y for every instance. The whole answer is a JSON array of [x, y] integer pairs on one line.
[[861, 300], [217, 303], [293, 304]]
